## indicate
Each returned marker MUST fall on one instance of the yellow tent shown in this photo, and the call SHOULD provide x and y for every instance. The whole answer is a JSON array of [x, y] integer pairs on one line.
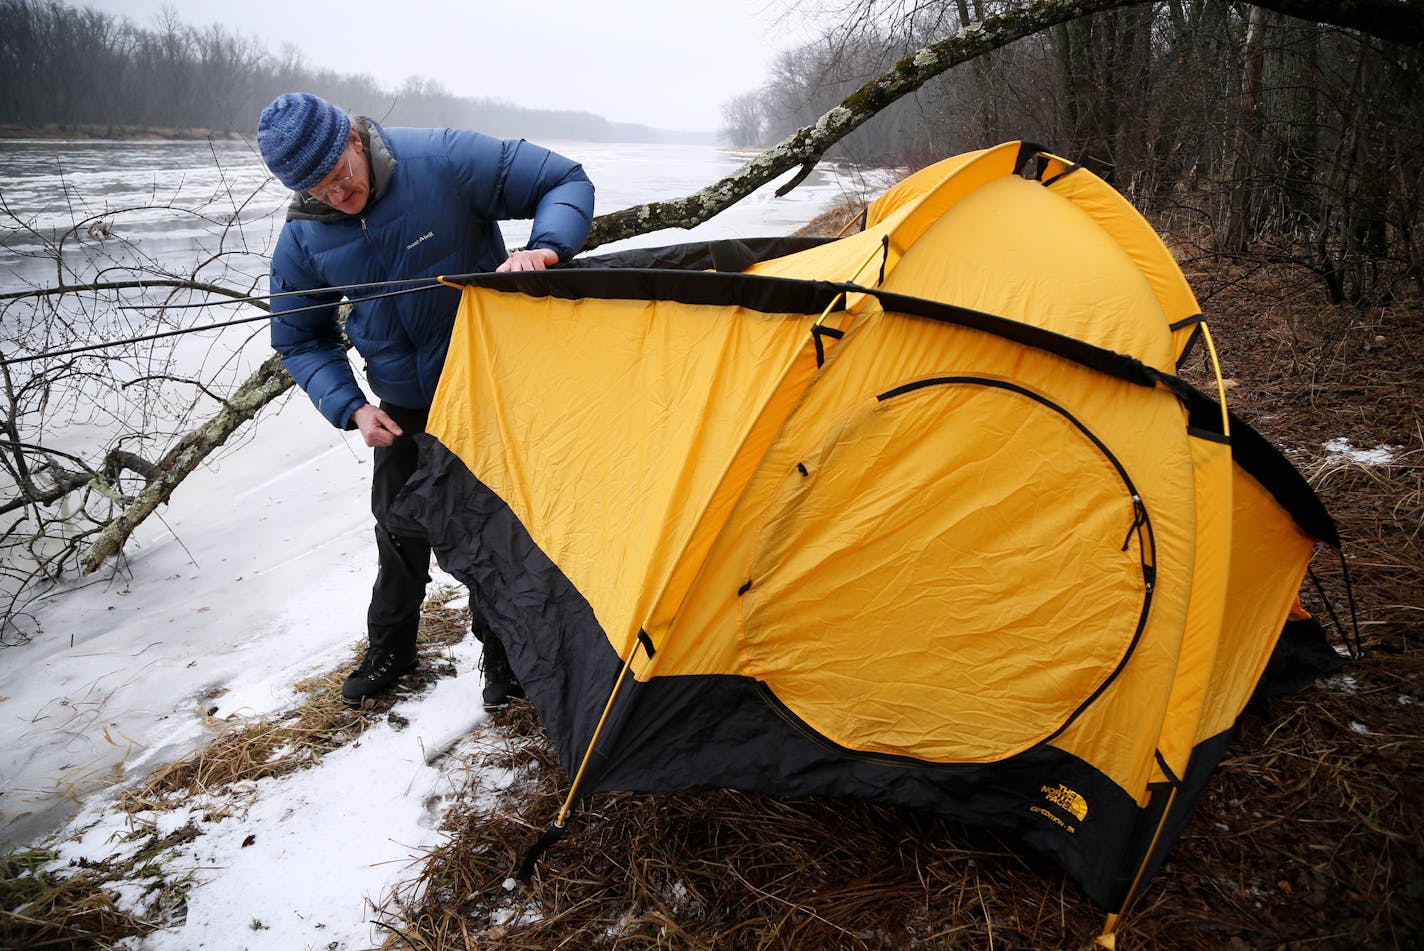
[[922, 515]]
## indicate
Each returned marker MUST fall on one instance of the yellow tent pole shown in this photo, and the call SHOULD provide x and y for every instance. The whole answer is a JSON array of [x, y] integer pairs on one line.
[[1220, 382], [1108, 939], [556, 830], [597, 730], [827, 312], [853, 279], [878, 251], [845, 229]]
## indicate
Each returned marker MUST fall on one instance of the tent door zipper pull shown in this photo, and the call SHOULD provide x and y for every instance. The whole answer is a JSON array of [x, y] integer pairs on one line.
[[1139, 518]]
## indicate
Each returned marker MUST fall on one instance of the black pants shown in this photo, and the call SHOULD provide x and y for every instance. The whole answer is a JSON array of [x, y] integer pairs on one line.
[[403, 560]]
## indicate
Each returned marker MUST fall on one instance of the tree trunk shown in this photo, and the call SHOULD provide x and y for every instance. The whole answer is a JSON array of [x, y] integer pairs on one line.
[[1242, 216]]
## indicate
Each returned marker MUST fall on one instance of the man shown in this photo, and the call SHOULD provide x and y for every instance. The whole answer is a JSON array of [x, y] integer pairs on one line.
[[375, 205]]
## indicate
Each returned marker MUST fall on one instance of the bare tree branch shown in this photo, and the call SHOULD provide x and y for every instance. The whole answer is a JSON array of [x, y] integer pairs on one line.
[[1387, 19], [177, 283], [266, 384], [65, 482]]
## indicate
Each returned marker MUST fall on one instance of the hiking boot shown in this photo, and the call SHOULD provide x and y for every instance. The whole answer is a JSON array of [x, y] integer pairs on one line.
[[501, 686], [379, 669]]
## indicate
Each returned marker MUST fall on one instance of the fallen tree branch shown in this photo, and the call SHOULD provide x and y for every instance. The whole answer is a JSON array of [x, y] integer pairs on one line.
[[120, 459], [805, 147], [266, 384]]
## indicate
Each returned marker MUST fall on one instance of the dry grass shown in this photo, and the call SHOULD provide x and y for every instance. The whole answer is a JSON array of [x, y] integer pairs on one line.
[[840, 219], [1305, 840], [249, 750], [720, 870], [82, 910]]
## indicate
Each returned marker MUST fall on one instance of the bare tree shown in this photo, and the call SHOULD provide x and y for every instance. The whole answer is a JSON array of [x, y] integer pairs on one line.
[[100, 407], [1249, 130], [1245, 212], [742, 122]]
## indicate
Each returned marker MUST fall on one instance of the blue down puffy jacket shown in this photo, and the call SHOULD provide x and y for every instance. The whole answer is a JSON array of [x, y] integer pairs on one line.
[[437, 198]]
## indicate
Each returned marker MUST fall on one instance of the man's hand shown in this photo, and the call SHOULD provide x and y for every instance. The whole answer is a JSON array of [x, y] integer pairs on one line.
[[530, 259], [377, 428]]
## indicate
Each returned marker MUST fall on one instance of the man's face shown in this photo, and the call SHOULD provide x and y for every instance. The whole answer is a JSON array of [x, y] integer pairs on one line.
[[348, 186]]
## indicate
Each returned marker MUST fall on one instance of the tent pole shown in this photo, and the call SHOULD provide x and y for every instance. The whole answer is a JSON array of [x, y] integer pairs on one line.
[[556, 829], [1108, 939], [1220, 382], [642, 638]]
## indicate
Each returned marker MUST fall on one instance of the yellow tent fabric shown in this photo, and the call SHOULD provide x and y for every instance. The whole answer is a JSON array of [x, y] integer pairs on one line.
[[922, 515]]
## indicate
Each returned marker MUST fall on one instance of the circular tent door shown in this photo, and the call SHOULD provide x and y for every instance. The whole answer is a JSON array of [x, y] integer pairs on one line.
[[951, 574]]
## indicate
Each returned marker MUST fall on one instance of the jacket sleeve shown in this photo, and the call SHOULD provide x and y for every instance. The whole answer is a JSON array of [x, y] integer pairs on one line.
[[310, 341], [510, 179]]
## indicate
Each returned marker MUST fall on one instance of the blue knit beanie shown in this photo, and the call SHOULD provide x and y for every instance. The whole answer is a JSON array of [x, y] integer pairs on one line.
[[301, 138]]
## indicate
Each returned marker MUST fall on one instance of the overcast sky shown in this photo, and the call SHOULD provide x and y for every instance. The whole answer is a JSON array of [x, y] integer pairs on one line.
[[664, 63]]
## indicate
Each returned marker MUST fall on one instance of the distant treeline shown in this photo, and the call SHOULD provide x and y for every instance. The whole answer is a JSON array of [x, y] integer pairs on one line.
[[78, 68]]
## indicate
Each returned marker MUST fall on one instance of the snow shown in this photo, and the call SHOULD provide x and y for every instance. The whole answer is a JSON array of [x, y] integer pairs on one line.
[[255, 578], [1342, 448], [1342, 683], [327, 844]]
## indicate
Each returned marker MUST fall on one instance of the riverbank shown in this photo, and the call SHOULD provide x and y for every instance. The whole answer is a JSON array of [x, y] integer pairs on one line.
[[117, 133]]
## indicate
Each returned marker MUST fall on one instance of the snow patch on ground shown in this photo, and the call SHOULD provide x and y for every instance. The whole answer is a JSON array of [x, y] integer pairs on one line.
[[1341, 448]]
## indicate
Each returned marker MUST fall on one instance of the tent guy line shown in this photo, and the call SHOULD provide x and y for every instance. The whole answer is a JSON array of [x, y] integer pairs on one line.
[[305, 293], [144, 338], [424, 284]]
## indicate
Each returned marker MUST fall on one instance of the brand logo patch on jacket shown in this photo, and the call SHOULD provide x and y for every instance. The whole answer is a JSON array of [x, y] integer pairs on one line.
[[425, 237]]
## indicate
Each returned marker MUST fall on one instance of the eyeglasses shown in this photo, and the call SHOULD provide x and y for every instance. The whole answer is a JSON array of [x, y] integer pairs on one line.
[[342, 185]]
